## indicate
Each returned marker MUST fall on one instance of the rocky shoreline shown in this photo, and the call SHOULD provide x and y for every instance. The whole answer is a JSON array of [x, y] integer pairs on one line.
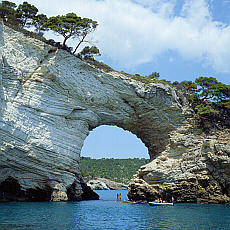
[[193, 169]]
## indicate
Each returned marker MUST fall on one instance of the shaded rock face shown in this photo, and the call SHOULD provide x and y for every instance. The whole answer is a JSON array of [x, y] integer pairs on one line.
[[191, 169], [10, 190], [50, 100]]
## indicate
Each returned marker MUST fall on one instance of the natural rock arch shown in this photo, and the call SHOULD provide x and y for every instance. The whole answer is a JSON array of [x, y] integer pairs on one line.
[[50, 100]]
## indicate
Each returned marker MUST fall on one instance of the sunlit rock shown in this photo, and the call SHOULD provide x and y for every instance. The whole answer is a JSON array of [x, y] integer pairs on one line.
[[191, 169]]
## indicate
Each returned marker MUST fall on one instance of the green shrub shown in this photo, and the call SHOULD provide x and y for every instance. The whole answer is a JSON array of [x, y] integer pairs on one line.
[[100, 65], [206, 144]]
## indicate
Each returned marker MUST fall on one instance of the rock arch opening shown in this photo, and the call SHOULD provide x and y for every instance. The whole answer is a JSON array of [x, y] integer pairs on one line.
[[113, 142], [110, 157]]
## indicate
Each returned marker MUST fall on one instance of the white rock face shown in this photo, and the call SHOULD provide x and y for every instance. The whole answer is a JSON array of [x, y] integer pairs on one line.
[[50, 100]]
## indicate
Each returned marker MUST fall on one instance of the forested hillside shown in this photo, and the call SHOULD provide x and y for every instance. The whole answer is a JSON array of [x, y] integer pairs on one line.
[[119, 170]]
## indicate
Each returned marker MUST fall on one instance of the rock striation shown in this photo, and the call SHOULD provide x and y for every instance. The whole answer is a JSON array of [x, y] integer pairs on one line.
[[50, 100]]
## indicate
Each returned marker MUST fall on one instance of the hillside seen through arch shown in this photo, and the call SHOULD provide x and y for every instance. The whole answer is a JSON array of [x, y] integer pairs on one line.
[[113, 153]]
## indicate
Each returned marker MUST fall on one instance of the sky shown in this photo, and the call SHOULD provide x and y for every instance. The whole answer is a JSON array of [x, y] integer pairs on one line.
[[113, 142], [180, 39]]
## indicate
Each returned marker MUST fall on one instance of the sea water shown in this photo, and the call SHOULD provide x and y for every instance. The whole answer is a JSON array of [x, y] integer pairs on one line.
[[107, 213]]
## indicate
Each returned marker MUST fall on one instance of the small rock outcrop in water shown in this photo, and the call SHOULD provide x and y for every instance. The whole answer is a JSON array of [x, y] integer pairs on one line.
[[105, 184], [50, 100]]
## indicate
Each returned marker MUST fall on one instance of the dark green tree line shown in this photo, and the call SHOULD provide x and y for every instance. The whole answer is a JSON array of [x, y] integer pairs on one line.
[[210, 100], [7, 10], [120, 170]]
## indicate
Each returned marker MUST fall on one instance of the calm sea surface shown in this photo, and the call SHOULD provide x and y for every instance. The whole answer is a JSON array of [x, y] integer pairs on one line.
[[109, 214]]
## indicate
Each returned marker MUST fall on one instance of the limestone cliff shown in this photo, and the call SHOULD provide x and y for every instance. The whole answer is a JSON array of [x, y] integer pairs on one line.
[[50, 100], [193, 168]]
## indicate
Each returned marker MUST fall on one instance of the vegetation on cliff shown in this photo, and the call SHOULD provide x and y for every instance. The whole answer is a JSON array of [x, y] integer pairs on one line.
[[119, 170], [69, 26], [206, 94], [210, 100]]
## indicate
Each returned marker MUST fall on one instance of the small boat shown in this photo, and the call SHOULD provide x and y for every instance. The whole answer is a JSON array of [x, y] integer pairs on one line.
[[160, 204]]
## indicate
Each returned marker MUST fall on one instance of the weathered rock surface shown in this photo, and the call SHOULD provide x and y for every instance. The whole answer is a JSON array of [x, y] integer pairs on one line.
[[191, 169], [105, 184], [50, 100]]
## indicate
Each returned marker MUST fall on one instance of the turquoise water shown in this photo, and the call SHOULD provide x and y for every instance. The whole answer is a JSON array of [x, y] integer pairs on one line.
[[109, 214]]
